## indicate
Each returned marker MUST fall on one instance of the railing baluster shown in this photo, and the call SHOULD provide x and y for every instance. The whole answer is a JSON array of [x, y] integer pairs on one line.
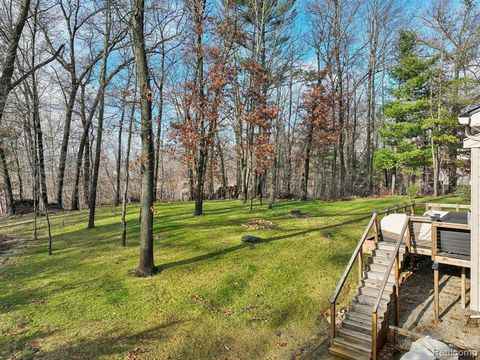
[[360, 266], [397, 290], [332, 322], [374, 335]]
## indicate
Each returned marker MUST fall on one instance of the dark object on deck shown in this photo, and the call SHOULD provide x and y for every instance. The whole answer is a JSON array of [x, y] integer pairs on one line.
[[454, 241], [250, 239], [297, 214]]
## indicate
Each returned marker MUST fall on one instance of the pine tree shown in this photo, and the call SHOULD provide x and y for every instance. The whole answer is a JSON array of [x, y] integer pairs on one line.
[[406, 146]]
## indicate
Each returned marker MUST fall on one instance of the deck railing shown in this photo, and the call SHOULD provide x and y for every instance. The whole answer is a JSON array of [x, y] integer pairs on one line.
[[395, 261], [438, 206]]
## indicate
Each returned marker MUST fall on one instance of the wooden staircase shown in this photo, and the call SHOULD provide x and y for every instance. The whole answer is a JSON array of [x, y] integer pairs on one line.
[[354, 338], [363, 331]]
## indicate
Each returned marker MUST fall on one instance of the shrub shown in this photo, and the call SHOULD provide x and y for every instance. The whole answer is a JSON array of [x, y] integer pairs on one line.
[[463, 192], [412, 191]]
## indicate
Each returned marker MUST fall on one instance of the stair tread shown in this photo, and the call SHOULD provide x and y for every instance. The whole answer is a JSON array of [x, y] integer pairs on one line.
[[388, 252], [352, 344], [379, 275], [341, 351], [359, 324], [376, 282], [355, 334], [367, 309], [383, 266], [371, 291], [381, 260], [370, 301], [363, 316]]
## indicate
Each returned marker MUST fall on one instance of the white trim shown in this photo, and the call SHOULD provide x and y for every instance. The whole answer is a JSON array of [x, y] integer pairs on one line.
[[475, 232]]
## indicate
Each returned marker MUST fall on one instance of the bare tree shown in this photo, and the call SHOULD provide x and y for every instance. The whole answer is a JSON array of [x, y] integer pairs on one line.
[[146, 266]]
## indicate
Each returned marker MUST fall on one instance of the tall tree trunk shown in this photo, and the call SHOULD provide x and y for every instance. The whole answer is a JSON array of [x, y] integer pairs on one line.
[[101, 113], [66, 136], [127, 174], [306, 170], [222, 168], [81, 149], [289, 141], [36, 116], [119, 157], [199, 9], [19, 171], [87, 156], [5, 88], [146, 266], [372, 68], [158, 137], [39, 138], [273, 185], [340, 99], [119, 154]]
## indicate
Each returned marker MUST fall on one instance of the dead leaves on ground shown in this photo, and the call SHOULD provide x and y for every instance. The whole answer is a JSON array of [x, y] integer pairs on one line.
[[134, 354], [199, 300], [258, 224]]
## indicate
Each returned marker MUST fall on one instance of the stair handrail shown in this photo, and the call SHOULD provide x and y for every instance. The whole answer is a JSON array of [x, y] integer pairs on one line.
[[393, 261], [390, 265], [340, 284], [357, 253]]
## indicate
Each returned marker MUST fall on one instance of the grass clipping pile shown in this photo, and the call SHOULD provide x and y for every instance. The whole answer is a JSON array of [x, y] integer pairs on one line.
[[258, 224]]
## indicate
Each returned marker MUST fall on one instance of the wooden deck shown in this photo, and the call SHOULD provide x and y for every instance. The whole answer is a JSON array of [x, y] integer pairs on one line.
[[425, 241], [444, 239]]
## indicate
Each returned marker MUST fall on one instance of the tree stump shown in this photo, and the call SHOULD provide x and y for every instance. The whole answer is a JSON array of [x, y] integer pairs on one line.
[[250, 239]]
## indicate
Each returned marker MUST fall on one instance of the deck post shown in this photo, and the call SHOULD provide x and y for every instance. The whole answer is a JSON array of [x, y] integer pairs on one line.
[[412, 207], [332, 323], [436, 278], [434, 240], [464, 288], [376, 227], [374, 336], [397, 290]]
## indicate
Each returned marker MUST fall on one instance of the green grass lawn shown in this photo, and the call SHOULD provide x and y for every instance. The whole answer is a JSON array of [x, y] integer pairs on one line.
[[214, 298]]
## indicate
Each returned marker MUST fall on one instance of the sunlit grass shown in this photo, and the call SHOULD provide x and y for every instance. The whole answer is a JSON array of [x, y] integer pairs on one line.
[[214, 298]]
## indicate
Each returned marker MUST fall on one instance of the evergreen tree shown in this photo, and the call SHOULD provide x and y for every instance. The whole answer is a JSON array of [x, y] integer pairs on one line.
[[406, 147]]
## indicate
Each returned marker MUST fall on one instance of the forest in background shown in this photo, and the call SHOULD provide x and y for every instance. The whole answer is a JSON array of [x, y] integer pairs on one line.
[[240, 99]]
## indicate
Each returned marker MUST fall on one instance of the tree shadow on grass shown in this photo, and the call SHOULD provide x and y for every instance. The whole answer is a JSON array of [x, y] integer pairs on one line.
[[18, 346], [243, 245], [112, 345]]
